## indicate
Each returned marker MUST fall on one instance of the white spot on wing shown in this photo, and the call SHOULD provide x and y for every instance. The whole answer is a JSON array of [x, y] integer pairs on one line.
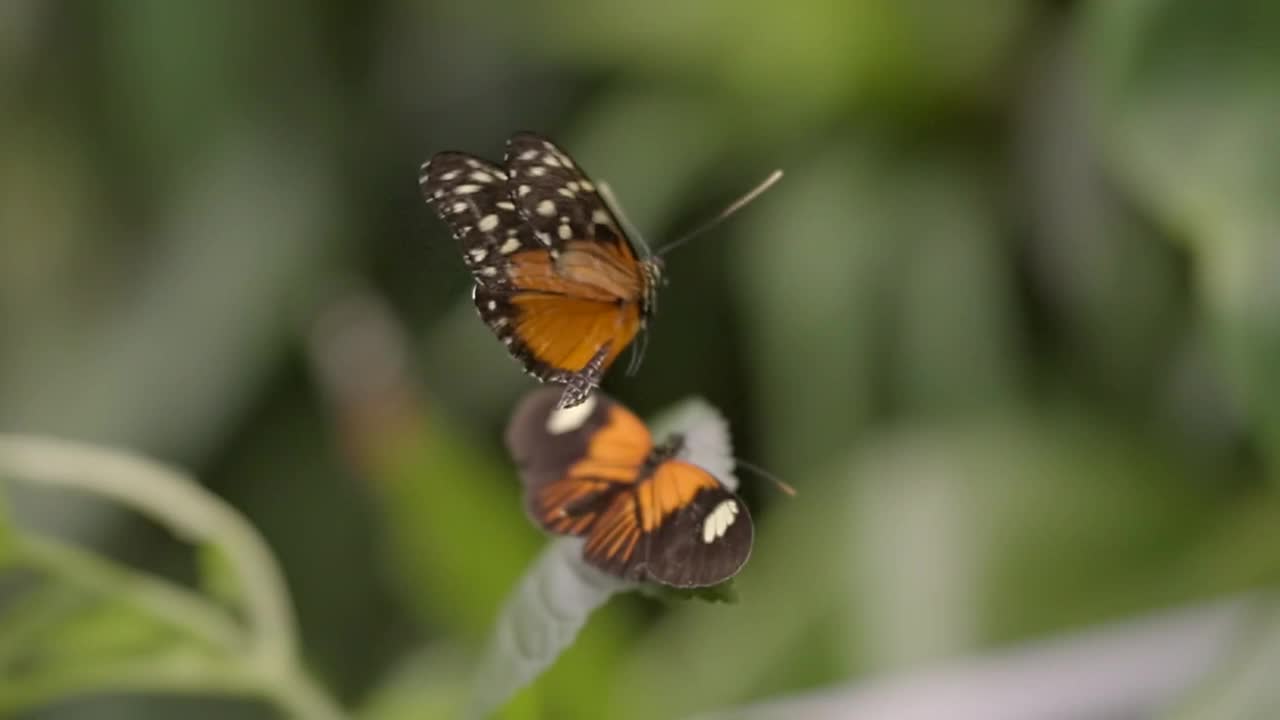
[[481, 177], [600, 217], [489, 271], [719, 520], [505, 205], [466, 189], [459, 207], [566, 420], [551, 160], [487, 223], [450, 175], [528, 154], [537, 171], [546, 208], [478, 254], [565, 232], [523, 190], [510, 246]]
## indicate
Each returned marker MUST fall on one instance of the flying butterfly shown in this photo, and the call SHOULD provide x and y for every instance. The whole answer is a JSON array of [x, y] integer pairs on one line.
[[557, 278], [646, 511]]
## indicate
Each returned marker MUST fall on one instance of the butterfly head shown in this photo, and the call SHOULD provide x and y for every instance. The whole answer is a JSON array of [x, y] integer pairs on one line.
[[653, 279]]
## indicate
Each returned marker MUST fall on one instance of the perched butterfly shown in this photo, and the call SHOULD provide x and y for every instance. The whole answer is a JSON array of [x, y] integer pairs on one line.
[[646, 511], [556, 277]]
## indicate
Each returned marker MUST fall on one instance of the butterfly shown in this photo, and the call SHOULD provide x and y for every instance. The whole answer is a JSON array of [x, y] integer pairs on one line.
[[646, 511], [556, 278]]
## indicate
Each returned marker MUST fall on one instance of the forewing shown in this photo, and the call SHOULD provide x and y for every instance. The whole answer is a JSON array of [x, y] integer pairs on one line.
[[679, 527], [556, 197], [470, 196], [574, 462]]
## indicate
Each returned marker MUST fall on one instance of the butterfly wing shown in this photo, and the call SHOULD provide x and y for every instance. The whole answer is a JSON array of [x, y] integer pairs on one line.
[[581, 468], [573, 462], [679, 527], [556, 315], [556, 278], [556, 197], [470, 196]]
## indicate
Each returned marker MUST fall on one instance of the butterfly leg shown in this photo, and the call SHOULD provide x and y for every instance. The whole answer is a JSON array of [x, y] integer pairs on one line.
[[581, 383]]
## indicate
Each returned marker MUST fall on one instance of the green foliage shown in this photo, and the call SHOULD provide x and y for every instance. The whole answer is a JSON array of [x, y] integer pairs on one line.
[[86, 624], [1010, 324]]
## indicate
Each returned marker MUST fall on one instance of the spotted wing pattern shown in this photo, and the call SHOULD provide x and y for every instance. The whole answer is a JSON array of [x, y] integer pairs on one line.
[[556, 278], [556, 197], [470, 196]]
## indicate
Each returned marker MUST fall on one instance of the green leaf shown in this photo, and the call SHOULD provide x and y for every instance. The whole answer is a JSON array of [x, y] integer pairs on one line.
[[559, 591], [136, 632], [1188, 95], [218, 577], [8, 533], [429, 684], [936, 540]]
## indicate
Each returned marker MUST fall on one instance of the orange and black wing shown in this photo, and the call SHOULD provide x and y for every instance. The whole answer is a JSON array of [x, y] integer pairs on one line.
[[556, 278], [586, 471], [679, 526], [573, 462]]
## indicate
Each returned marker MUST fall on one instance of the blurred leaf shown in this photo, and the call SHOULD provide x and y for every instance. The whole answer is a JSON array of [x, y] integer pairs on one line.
[[8, 534], [804, 60], [559, 591], [240, 248], [542, 617], [430, 684], [218, 577], [932, 542], [1188, 96], [1128, 669], [138, 632], [441, 490], [862, 248], [1111, 281], [955, 341], [1244, 686]]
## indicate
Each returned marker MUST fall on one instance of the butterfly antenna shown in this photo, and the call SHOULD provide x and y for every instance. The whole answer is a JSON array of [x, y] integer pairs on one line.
[[611, 200], [785, 488], [723, 215]]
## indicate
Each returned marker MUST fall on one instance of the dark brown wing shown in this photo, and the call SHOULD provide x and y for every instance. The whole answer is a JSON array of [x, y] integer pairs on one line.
[[556, 278], [581, 469], [556, 197], [470, 196], [574, 461], [678, 527]]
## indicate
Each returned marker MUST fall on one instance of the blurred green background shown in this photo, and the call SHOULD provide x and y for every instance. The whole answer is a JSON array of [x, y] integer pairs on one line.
[[1010, 324]]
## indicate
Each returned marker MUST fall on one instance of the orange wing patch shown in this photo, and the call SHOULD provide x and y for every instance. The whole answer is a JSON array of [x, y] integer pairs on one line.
[[608, 267], [617, 450], [613, 456], [614, 537], [566, 332], [671, 487], [564, 505]]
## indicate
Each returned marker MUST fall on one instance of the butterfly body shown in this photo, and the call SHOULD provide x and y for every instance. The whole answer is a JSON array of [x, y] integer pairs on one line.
[[646, 511], [556, 278]]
